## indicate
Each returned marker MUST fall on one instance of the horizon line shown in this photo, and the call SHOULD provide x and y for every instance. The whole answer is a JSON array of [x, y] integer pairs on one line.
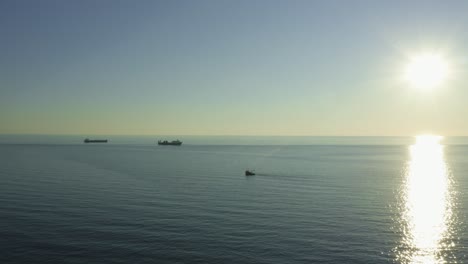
[[215, 135]]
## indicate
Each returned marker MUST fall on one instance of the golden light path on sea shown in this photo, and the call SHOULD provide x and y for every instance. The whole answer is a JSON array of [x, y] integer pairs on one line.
[[426, 209]]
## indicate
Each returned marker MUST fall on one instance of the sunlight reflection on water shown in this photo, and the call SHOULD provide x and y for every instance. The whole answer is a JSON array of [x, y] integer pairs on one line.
[[426, 204]]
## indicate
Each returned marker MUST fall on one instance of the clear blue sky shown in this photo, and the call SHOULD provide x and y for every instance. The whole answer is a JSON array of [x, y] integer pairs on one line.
[[228, 67]]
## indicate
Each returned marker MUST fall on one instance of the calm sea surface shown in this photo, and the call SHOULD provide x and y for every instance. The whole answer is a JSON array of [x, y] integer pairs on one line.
[[313, 200]]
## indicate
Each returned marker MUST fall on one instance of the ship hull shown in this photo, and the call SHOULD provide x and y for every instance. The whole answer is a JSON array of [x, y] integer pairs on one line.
[[95, 141], [170, 143]]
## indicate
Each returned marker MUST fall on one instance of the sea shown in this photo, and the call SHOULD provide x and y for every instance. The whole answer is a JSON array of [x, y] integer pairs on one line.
[[312, 200]]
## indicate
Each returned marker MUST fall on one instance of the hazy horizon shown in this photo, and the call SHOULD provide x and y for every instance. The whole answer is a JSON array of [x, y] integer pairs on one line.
[[228, 135]]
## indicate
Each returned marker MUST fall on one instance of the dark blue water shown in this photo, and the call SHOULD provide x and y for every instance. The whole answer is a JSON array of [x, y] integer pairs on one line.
[[142, 203]]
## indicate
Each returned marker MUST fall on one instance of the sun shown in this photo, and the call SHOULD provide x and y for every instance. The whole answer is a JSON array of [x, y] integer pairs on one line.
[[426, 71]]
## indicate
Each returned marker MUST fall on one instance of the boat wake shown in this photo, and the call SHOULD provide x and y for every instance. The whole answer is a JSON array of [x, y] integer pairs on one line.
[[284, 176]]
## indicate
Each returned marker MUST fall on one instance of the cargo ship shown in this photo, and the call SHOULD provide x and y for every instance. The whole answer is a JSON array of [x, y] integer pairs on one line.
[[170, 143], [87, 140]]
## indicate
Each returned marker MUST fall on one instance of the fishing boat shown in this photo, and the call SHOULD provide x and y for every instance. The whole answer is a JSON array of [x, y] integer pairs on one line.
[[249, 173]]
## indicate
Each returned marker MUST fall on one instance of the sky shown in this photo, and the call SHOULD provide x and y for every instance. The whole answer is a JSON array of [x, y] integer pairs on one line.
[[247, 67]]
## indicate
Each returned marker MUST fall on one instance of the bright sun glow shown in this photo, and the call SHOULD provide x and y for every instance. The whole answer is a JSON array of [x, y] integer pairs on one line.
[[426, 71]]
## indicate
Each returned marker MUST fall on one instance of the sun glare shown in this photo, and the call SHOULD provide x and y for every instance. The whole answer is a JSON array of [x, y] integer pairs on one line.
[[427, 206], [426, 71]]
